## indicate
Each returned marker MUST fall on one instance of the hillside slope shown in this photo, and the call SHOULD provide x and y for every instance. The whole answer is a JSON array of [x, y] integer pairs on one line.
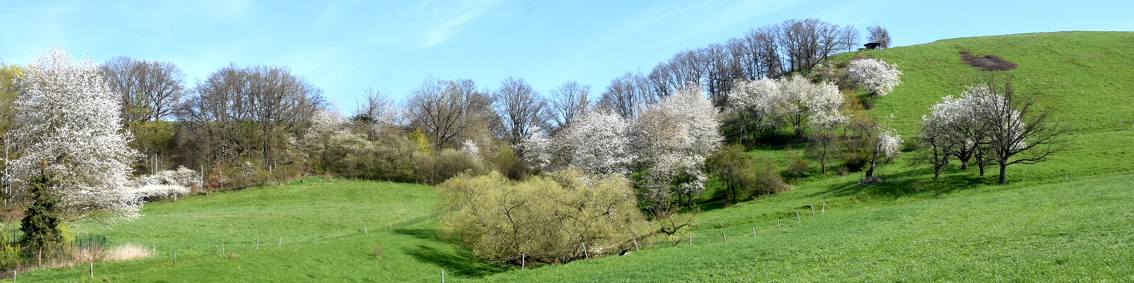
[[1062, 220]]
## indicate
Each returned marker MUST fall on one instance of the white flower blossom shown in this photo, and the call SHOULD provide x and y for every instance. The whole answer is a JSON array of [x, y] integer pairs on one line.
[[67, 118]]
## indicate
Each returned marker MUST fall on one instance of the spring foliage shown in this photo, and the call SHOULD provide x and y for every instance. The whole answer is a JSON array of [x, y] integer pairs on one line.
[[67, 125], [547, 218]]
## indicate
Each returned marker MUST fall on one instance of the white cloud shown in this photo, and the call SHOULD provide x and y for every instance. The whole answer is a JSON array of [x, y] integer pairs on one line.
[[452, 21]]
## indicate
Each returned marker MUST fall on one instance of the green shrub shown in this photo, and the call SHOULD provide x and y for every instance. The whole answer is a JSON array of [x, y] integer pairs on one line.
[[546, 218]]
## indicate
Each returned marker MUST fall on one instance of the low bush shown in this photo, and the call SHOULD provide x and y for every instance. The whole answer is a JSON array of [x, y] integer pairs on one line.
[[547, 218]]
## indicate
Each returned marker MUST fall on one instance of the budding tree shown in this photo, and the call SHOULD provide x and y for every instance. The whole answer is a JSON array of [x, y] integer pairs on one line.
[[875, 75], [67, 124]]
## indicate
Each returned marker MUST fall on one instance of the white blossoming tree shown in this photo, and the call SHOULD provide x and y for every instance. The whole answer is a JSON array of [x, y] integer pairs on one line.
[[886, 146], [993, 127], [598, 142], [67, 123], [801, 102], [753, 104], [875, 75], [672, 139]]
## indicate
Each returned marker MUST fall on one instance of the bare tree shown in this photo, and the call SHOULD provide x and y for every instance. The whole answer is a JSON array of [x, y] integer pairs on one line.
[[808, 42], [879, 35], [248, 112], [569, 101], [375, 112], [627, 95], [520, 110], [150, 91], [448, 111]]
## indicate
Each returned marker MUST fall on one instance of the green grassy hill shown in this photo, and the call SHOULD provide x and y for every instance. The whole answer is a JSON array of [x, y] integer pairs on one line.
[[1062, 220], [1083, 76]]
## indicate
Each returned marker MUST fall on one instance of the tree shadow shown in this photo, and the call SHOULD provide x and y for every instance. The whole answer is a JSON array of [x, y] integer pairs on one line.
[[909, 183], [457, 262]]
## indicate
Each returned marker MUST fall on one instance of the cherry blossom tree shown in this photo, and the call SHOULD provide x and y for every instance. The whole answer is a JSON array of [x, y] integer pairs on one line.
[[801, 102], [1017, 132], [672, 139], [875, 75], [598, 142], [67, 124], [886, 146], [753, 102]]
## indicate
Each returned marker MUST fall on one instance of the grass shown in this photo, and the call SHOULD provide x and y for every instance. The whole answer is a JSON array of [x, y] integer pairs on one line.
[[1056, 232], [1066, 219], [350, 218]]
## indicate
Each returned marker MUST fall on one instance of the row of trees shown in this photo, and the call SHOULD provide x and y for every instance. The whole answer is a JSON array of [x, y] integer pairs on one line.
[[986, 125], [766, 52]]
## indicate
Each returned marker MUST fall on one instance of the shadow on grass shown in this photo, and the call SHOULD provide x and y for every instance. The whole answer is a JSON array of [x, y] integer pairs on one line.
[[458, 262], [910, 183]]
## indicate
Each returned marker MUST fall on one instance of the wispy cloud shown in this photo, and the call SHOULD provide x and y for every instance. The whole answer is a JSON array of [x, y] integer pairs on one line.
[[453, 21]]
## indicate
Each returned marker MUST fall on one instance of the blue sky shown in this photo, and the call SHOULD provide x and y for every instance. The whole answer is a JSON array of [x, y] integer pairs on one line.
[[343, 47]]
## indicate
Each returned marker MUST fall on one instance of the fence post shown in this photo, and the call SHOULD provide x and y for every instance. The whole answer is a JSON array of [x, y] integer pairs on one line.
[[690, 240], [364, 230], [797, 217], [174, 257], [812, 210], [316, 238], [777, 224], [725, 236], [754, 231], [442, 275], [222, 248], [824, 207], [92, 269], [523, 261]]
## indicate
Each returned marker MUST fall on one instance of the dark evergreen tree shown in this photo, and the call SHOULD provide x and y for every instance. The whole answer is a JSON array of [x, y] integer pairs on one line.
[[41, 221]]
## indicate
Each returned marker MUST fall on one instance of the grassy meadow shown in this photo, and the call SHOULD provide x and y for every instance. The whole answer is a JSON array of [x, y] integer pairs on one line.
[[1067, 219]]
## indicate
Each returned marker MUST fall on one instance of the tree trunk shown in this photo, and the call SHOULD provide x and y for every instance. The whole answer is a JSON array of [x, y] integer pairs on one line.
[[873, 161], [1003, 177]]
